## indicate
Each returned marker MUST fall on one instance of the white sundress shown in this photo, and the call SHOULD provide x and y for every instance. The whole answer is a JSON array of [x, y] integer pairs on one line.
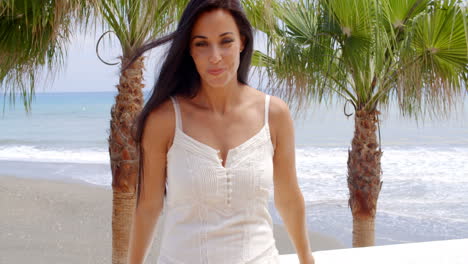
[[216, 214]]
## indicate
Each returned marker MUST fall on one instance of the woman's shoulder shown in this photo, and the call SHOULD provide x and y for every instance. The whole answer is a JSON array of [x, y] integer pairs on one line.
[[279, 117], [277, 106], [163, 114], [161, 122], [277, 109]]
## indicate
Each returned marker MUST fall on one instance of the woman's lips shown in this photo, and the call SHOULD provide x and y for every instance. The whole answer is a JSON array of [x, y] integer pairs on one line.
[[215, 71]]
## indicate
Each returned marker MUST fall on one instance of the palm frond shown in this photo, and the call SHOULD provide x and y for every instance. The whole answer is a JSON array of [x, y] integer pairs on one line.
[[436, 53], [137, 21], [369, 51], [298, 52], [260, 14], [402, 11], [33, 34], [260, 59]]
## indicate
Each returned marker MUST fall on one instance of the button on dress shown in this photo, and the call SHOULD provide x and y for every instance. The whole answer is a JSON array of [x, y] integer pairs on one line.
[[218, 214]]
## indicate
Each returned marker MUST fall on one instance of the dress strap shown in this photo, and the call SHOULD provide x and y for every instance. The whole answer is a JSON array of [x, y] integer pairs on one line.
[[177, 112], [267, 106]]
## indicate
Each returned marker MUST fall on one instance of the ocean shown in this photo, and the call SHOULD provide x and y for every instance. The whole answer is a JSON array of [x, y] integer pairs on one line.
[[425, 173]]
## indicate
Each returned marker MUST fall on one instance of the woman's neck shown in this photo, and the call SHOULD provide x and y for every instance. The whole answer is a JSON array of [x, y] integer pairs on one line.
[[219, 99]]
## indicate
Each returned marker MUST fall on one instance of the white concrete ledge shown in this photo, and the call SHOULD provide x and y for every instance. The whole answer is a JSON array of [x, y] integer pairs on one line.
[[435, 252]]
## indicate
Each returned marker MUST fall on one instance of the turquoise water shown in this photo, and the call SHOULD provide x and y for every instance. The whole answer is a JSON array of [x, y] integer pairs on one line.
[[425, 167]]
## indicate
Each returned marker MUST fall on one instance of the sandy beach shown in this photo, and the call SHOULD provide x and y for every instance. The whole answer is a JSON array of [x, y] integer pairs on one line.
[[46, 221]]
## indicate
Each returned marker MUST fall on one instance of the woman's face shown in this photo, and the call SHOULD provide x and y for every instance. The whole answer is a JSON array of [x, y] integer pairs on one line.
[[215, 46]]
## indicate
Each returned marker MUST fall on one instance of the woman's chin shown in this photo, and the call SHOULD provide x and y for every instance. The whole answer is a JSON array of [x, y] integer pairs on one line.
[[218, 82]]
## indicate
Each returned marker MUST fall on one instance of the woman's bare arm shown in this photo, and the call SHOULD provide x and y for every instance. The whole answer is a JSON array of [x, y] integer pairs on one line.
[[157, 137], [288, 196]]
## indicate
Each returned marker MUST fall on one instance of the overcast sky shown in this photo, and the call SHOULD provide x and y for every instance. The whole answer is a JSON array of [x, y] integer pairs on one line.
[[84, 72]]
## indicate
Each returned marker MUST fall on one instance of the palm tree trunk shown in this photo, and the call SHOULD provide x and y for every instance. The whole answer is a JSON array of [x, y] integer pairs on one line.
[[124, 156], [364, 171]]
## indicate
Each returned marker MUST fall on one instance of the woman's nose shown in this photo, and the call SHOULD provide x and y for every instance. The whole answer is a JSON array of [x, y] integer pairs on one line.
[[215, 55]]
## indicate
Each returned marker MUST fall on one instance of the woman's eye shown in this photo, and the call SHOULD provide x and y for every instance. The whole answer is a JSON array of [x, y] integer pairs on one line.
[[200, 44], [225, 41]]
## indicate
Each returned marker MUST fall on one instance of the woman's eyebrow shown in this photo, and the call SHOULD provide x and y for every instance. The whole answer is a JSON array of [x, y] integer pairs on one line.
[[225, 33], [203, 37]]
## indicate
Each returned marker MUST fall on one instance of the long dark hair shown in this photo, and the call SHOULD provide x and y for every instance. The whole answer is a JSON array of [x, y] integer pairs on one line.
[[178, 75]]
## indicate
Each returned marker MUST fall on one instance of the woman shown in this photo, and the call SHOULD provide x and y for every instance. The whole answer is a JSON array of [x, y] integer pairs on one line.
[[213, 148]]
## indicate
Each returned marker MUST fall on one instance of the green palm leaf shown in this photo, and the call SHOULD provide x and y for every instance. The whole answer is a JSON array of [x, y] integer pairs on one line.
[[33, 34], [365, 50], [138, 21], [400, 11], [436, 53]]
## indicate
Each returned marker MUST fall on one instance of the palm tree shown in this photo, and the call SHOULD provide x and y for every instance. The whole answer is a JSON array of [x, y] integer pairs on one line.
[[134, 22], [34, 35], [33, 38], [369, 53]]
